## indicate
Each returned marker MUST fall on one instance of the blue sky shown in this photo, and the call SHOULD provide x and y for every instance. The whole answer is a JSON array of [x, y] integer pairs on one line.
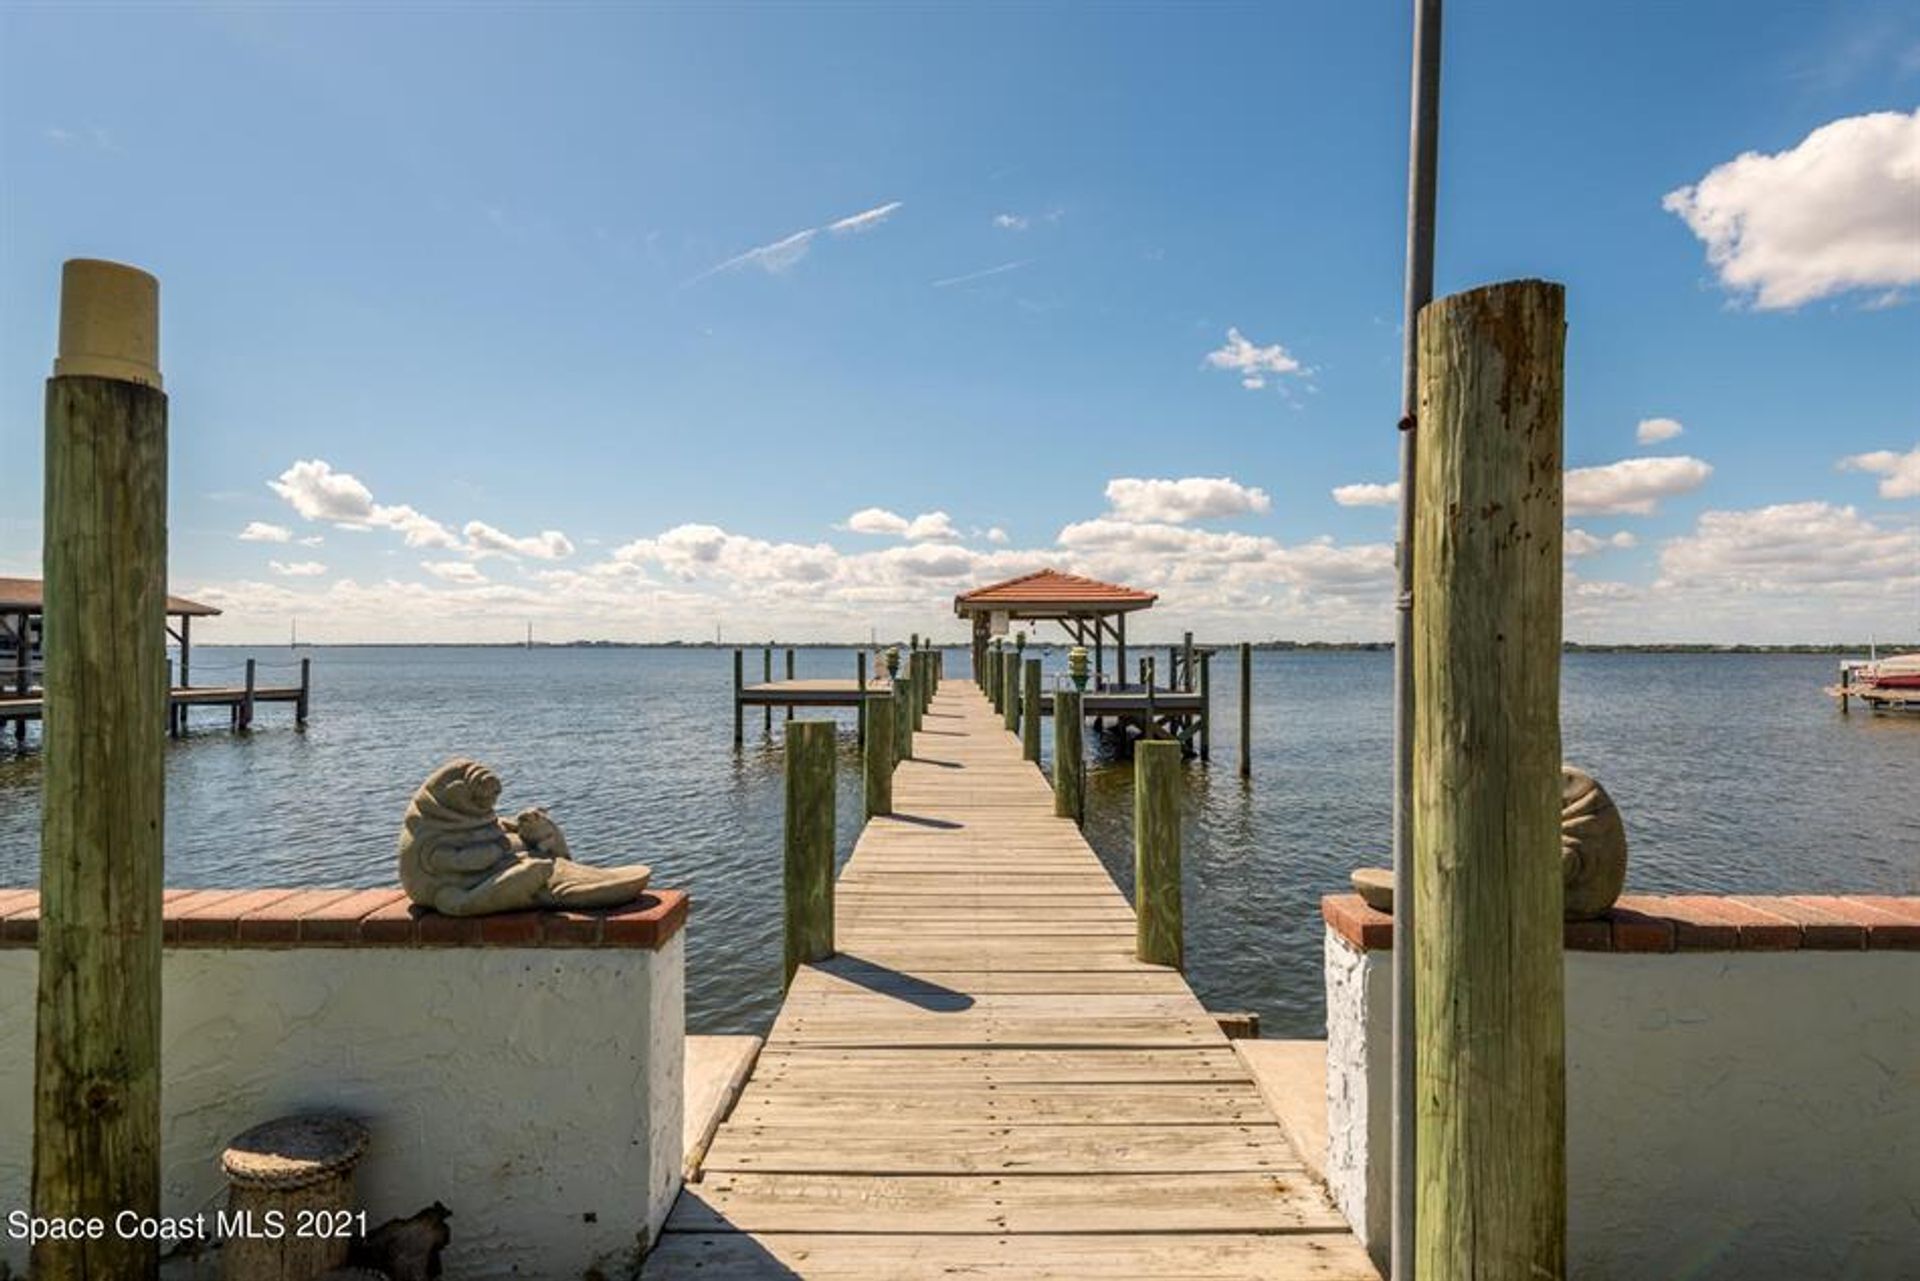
[[614, 319]]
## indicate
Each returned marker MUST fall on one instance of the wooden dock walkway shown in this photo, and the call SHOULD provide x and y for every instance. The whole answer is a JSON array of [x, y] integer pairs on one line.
[[984, 1081]]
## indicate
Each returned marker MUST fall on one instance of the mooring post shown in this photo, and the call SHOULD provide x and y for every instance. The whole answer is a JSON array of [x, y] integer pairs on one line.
[[1846, 687], [96, 1095], [1246, 710], [739, 683], [1206, 706], [1069, 758], [789, 677], [1488, 937], [809, 861], [996, 680], [766, 664], [903, 715], [1158, 931], [860, 692], [919, 670], [173, 713], [1030, 722], [1010, 693], [304, 702], [246, 702], [877, 756], [1186, 662]]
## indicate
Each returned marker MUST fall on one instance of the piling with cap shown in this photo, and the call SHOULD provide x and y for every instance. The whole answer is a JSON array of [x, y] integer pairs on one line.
[[96, 1094]]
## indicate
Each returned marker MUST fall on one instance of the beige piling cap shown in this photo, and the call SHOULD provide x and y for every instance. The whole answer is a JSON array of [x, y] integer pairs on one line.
[[109, 322]]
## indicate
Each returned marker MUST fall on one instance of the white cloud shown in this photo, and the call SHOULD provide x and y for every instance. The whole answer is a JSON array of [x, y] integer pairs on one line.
[[1899, 473], [312, 540], [317, 492], [1011, 222], [780, 255], [1190, 498], [865, 221], [1790, 547], [1578, 542], [259, 531], [1632, 486], [1367, 494], [548, 544], [1652, 431], [934, 526], [1834, 213], [454, 571], [1253, 362], [878, 520], [298, 568], [997, 536]]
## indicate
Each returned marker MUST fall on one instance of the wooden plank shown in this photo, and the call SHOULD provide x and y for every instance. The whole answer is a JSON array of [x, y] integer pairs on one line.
[[791, 1102], [733, 1256], [1276, 1201], [947, 1148]]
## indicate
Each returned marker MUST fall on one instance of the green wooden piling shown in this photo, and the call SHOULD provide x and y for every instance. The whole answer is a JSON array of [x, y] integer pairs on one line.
[[739, 683], [1206, 706], [1491, 1190], [809, 844], [918, 667], [860, 687], [766, 662], [903, 716], [96, 1083], [1246, 710], [1069, 758], [301, 707], [1158, 931], [1010, 693], [246, 703], [877, 755], [1030, 720], [789, 677]]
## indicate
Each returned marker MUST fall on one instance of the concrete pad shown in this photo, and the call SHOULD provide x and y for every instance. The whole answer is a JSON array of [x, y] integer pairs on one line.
[[717, 1070], [1292, 1076]]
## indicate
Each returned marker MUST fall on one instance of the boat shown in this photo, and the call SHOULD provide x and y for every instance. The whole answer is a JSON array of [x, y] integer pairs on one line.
[[1889, 684]]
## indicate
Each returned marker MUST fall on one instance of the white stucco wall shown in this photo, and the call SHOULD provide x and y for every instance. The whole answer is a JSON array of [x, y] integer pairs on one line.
[[536, 1092], [1751, 1114]]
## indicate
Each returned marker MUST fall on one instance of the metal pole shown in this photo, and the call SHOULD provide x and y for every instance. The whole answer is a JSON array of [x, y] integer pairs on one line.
[[1422, 164]]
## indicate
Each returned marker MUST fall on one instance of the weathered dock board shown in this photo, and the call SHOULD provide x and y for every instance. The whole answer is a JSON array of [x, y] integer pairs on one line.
[[984, 1081]]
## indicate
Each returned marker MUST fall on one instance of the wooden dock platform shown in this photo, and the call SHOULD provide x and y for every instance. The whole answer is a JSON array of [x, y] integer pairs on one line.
[[984, 1081], [238, 700]]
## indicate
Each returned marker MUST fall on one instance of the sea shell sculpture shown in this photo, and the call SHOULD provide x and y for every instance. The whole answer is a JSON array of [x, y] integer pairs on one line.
[[1593, 852], [460, 858]]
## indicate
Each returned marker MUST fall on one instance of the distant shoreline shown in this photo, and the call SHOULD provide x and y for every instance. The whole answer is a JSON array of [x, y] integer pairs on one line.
[[1276, 646]]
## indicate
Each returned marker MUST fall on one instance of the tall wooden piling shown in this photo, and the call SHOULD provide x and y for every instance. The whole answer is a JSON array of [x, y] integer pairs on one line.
[[96, 1088], [1491, 1150], [1030, 701], [860, 684], [1158, 930], [996, 679], [1206, 704], [877, 755], [1246, 710], [766, 663], [789, 677], [1069, 758], [246, 699], [1010, 693], [918, 667], [809, 843], [903, 717], [1186, 662], [739, 683], [304, 703]]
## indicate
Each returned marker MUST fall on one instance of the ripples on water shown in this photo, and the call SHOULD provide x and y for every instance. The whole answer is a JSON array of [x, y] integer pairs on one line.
[[1733, 773]]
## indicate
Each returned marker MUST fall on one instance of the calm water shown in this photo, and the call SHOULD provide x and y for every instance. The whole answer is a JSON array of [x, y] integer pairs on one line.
[[1732, 772]]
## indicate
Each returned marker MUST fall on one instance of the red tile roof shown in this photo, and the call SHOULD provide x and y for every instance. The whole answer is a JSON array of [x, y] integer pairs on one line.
[[1051, 589], [23, 594]]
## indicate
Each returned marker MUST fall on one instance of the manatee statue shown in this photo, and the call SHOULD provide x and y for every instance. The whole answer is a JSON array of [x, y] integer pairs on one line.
[[1593, 852], [460, 858]]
